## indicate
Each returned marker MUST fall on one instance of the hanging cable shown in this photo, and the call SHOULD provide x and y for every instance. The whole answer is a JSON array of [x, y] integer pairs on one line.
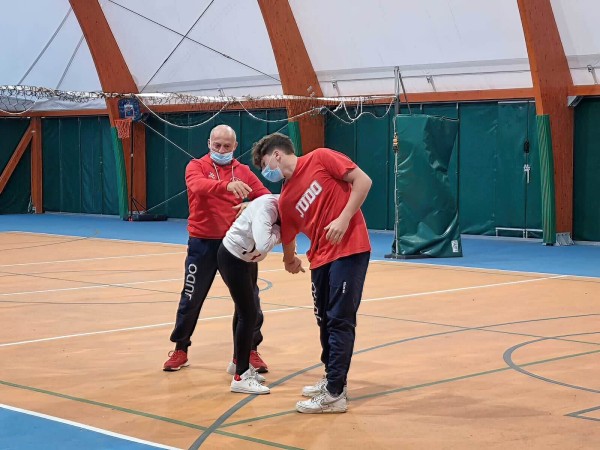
[[169, 140], [46, 46], [70, 62], [177, 46], [140, 98], [196, 42], [363, 113], [191, 156]]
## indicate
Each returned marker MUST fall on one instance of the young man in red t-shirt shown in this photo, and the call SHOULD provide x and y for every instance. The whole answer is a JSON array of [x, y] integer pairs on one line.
[[321, 197], [216, 185]]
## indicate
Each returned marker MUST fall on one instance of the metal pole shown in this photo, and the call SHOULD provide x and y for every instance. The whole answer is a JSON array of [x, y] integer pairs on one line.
[[395, 148]]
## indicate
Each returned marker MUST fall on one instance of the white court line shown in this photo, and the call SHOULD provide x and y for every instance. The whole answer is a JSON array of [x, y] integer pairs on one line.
[[143, 327], [489, 270], [94, 286], [291, 308], [445, 291], [100, 286], [95, 237], [91, 259], [86, 427]]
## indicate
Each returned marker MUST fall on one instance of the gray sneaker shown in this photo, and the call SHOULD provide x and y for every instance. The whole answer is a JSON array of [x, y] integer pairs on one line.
[[324, 403], [315, 389]]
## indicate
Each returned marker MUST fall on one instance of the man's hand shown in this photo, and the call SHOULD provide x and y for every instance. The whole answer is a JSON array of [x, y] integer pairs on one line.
[[294, 266], [239, 189], [240, 208], [336, 230]]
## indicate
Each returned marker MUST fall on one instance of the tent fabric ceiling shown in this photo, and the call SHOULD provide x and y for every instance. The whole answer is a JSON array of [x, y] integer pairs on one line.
[[452, 41], [221, 47], [577, 22], [46, 49], [224, 45]]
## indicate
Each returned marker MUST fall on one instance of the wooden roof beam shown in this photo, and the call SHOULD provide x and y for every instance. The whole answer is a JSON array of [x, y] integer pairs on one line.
[[552, 83], [295, 68], [16, 156]]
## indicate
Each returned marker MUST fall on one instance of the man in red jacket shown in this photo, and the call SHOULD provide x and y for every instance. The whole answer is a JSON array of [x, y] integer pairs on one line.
[[216, 184]]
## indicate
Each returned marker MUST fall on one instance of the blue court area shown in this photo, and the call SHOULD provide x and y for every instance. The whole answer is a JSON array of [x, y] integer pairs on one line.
[[479, 252], [21, 430]]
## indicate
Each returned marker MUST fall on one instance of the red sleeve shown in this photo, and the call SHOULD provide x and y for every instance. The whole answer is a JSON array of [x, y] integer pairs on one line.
[[258, 189], [336, 163], [197, 182]]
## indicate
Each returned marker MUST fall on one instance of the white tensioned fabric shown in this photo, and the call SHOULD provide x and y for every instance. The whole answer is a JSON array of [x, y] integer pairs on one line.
[[44, 46], [459, 44], [577, 22], [203, 47]]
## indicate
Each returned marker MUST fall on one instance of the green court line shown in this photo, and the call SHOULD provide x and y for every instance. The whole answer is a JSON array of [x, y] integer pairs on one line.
[[508, 359], [581, 414], [485, 328], [464, 377], [257, 418], [145, 414], [219, 424], [419, 386], [218, 430]]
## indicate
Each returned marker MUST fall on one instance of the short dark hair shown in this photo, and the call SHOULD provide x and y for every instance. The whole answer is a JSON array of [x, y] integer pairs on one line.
[[268, 144]]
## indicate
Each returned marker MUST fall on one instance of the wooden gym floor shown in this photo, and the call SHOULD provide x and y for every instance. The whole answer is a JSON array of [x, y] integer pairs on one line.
[[445, 358]]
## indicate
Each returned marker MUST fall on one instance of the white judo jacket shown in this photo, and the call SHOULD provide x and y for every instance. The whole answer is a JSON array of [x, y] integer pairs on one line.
[[254, 234]]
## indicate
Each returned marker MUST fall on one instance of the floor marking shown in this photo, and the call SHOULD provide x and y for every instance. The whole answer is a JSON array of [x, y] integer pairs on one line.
[[86, 427], [290, 308], [94, 286], [91, 259], [142, 327], [445, 291]]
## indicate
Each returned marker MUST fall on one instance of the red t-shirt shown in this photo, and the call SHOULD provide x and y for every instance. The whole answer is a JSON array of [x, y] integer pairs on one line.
[[315, 196], [211, 204]]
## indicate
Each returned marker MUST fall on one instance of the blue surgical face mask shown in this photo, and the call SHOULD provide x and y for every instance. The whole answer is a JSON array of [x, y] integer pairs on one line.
[[221, 158], [272, 175]]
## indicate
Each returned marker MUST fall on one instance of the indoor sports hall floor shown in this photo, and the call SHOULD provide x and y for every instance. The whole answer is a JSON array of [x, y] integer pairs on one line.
[[498, 349]]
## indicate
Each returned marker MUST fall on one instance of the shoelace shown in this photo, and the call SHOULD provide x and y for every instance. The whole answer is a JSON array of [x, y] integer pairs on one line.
[[321, 383], [318, 399], [254, 374], [253, 382], [172, 354]]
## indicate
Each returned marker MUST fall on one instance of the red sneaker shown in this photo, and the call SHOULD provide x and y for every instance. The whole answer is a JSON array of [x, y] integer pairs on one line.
[[177, 360], [256, 361]]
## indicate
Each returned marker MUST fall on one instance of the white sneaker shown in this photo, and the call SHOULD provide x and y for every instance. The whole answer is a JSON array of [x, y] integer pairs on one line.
[[231, 371], [231, 368], [324, 403], [248, 384], [315, 389]]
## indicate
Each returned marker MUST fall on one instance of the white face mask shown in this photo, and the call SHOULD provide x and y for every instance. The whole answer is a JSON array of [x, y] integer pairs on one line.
[[272, 175], [221, 159]]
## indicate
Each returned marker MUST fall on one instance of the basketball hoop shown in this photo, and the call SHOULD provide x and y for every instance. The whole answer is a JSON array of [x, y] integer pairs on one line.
[[123, 127]]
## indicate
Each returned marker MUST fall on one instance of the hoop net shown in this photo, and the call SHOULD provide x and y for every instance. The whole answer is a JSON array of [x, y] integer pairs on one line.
[[123, 127]]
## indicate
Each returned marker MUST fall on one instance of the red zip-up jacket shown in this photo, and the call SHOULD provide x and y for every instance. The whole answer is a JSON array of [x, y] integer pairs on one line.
[[211, 204]]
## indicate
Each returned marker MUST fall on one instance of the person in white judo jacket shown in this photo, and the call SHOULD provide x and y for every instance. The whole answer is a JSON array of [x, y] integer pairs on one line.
[[251, 237]]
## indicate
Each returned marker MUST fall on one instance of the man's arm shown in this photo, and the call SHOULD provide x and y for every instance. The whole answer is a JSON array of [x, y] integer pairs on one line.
[[289, 231], [199, 184], [257, 188], [292, 263], [361, 184]]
